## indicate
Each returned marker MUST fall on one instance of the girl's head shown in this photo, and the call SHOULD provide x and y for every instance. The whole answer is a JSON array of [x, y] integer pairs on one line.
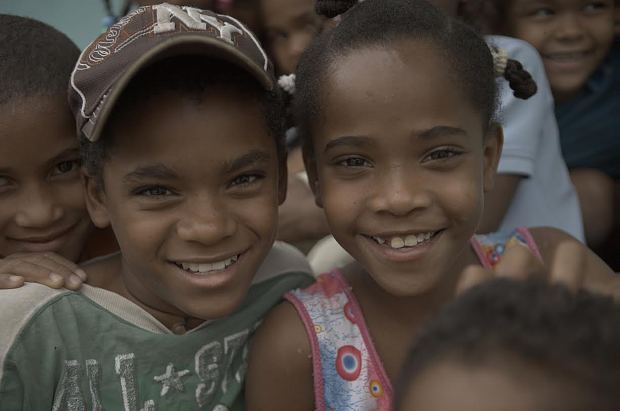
[[289, 27], [184, 157], [573, 37], [396, 107], [42, 206], [517, 346]]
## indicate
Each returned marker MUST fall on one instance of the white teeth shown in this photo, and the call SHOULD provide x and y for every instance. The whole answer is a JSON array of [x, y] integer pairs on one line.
[[411, 240], [208, 267], [397, 242]]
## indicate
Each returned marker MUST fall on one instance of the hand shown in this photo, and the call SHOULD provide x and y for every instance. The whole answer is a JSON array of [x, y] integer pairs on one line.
[[48, 269], [567, 267]]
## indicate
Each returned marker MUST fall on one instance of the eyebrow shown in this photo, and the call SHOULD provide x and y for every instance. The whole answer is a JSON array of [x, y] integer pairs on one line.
[[248, 159], [355, 141], [441, 131], [156, 172], [73, 151]]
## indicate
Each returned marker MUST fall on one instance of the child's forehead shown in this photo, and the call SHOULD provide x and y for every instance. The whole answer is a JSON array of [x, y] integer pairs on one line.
[[36, 127]]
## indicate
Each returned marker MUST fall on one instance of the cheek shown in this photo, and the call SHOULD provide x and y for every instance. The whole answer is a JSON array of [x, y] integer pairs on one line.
[[464, 197], [72, 197]]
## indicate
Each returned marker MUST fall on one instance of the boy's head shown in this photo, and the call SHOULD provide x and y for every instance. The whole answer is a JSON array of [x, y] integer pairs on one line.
[[183, 146], [517, 346], [289, 26], [42, 207], [573, 37]]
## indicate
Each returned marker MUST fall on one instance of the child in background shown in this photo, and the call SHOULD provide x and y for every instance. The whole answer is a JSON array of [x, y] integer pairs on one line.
[[44, 224], [395, 106], [163, 102], [517, 346], [582, 61]]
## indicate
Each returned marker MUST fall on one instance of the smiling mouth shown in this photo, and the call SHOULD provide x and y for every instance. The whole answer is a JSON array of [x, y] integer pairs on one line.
[[206, 268], [405, 242], [568, 57], [43, 239]]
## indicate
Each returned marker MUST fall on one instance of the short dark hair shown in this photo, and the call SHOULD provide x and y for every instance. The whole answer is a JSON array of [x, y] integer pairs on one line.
[[575, 334], [35, 59], [189, 76], [380, 22]]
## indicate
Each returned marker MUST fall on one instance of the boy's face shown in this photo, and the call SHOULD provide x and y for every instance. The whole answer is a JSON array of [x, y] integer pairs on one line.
[[42, 206], [401, 165], [572, 37], [191, 190], [290, 26], [510, 385]]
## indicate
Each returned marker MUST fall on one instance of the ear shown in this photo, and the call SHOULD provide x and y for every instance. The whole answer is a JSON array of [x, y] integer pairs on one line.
[[282, 181], [313, 180], [94, 195], [492, 151]]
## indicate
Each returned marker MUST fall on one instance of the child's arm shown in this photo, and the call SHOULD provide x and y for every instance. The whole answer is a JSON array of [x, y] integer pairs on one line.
[[279, 373], [48, 269], [565, 260], [563, 253]]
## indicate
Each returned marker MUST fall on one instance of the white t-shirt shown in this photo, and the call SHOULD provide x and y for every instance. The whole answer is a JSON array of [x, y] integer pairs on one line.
[[545, 196]]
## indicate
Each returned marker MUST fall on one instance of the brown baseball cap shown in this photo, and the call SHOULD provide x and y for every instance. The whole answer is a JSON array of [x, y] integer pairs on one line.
[[147, 35]]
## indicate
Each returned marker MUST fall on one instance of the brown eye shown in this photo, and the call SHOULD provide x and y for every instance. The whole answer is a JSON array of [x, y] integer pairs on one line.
[[65, 167]]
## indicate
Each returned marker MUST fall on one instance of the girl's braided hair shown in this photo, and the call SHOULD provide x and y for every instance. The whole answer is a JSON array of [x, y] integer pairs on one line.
[[518, 78]]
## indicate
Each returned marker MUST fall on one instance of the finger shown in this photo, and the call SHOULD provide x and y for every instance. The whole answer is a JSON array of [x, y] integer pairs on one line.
[[568, 265], [32, 272], [519, 263], [10, 281], [69, 265], [64, 269], [471, 277]]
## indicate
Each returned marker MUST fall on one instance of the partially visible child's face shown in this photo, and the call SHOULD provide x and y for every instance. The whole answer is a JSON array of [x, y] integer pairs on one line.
[[42, 206], [572, 36], [191, 192], [290, 26], [402, 164], [508, 386]]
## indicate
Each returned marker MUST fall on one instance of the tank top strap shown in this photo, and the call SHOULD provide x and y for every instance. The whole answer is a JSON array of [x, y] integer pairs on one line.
[[490, 247]]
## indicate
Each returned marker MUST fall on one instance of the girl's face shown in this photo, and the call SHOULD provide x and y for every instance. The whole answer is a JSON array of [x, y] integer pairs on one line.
[[572, 36], [191, 190], [401, 164], [290, 26], [42, 206]]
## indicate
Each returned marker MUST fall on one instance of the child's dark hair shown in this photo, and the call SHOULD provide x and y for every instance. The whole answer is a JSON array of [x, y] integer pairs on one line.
[[379, 22], [35, 59], [573, 335], [188, 76]]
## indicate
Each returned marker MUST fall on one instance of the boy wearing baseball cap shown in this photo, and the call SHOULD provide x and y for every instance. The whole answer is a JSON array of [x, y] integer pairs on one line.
[[182, 147]]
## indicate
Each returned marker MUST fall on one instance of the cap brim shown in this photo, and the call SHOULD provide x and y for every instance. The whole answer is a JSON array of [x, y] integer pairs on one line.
[[187, 44]]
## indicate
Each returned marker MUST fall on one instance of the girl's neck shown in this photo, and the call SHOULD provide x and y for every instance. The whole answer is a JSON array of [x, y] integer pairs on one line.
[[408, 310]]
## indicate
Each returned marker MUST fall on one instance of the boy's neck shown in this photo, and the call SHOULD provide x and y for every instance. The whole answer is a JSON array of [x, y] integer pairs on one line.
[[107, 273]]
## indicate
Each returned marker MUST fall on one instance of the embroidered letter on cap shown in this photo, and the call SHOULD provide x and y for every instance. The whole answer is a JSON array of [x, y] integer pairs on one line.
[[192, 19]]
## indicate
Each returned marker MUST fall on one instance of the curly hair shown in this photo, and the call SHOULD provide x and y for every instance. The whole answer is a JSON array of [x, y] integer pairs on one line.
[[576, 335]]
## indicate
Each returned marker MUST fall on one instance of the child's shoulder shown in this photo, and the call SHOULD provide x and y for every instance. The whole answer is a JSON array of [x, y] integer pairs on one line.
[[516, 48], [281, 350]]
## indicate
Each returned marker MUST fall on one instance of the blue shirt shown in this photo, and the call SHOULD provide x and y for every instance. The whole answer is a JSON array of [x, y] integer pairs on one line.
[[590, 122]]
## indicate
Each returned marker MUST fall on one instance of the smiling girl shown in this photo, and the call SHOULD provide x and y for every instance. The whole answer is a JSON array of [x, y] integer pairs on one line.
[[396, 107]]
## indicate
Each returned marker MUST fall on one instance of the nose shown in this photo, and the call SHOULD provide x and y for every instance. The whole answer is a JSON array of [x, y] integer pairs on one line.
[[40, 209], [298, 43], [569, 27], [399, 193], [205, 221]]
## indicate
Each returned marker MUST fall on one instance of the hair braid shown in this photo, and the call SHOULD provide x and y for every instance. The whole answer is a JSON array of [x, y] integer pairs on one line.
[[333, 8], [520, 80]]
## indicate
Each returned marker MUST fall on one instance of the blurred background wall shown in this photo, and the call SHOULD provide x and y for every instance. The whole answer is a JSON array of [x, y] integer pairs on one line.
[[81, 20]]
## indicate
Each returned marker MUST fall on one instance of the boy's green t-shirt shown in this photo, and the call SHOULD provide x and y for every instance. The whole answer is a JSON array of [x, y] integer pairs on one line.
[[95, 350]]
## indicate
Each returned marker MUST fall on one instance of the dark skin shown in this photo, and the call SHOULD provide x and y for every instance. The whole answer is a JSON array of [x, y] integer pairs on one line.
[[403, 174]]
